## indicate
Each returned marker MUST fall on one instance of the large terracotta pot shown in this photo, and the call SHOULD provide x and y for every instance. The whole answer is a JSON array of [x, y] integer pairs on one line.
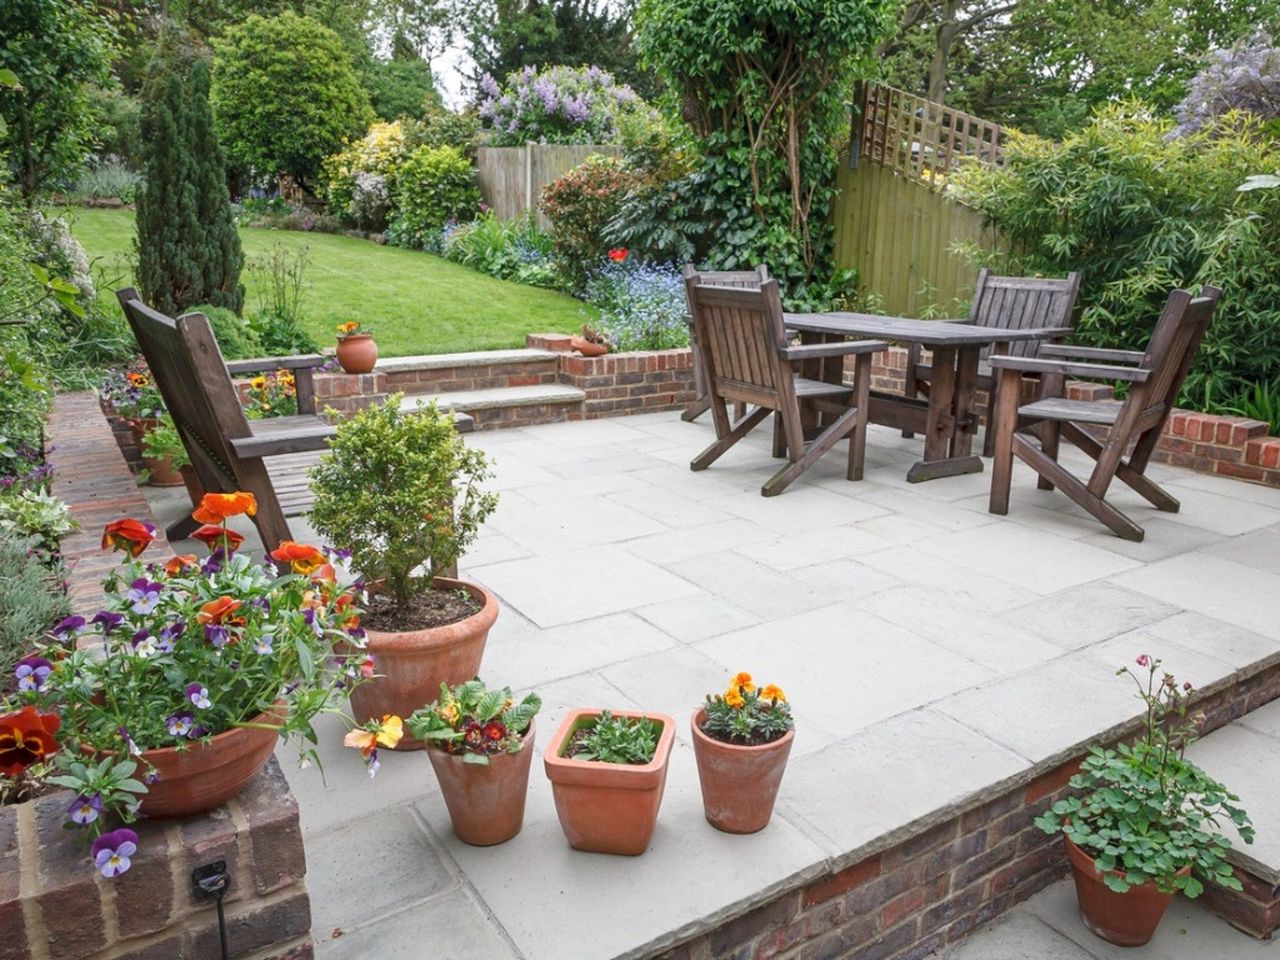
[[1125, 919], [206, 775], [607, 807], [412, 664], [357, 353], [486, 802], [162, 473], [739, 783]]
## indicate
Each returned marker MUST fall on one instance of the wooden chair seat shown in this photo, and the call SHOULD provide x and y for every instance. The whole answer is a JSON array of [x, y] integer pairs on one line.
[[806, 388], [1104, 412]]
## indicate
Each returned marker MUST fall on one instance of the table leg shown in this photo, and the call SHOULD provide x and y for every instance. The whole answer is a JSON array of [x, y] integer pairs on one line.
[[941, 425], [966, 424]]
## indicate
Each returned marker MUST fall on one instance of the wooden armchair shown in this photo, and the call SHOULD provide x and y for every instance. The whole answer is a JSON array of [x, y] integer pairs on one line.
[[749, 361], [1155, 376], [745, 279], [1005, 303]]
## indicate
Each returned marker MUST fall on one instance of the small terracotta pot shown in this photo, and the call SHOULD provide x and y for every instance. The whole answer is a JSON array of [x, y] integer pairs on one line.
[[140, 429], [607, 807], [206, 775], [191, 479], [739, 783], [1125, 919], [587, 348], [162, 473], [486, 802], [413, 663], [357, 353]]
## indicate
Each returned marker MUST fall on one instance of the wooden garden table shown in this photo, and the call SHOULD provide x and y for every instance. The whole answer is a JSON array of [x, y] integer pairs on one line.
[[947, 418]]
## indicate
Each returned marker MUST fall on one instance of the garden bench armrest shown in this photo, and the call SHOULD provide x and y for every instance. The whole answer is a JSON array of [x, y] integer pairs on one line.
[[816, 351], [1068, 368], [1091, 353], [302, 361]]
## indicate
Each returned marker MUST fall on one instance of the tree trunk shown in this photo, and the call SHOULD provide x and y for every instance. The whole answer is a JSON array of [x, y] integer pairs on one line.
[[948, 30]]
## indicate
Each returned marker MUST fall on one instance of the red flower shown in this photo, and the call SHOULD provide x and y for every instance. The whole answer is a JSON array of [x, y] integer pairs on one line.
[[26, 737], [129, 535], [211, 537], [618, 254], [495, 730], [216, 611], [175, 565], [301, 557], [216, 507]]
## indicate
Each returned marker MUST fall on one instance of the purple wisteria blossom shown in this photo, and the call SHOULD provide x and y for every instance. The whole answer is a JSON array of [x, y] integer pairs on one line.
[[556, 105]]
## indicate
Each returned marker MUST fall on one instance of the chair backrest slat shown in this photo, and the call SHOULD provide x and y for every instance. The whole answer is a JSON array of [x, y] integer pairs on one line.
[[741, 333], [1023, 303], [1182, 326]]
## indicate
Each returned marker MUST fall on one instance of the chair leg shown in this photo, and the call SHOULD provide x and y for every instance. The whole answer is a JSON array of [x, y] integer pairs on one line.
[[989, 438], [841, 428], [181, 529], [861, 401], [270, 520], [696, 409], [1112, 518], [1049, 444], [779, 439], [1005, 423], [1135, 479], [740, 430]]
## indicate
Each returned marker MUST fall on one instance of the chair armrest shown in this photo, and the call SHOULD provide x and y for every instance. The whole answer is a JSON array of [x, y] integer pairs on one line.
[[304, 361], [843, 348], [1068, 368], [1091, 353], [300, 440]]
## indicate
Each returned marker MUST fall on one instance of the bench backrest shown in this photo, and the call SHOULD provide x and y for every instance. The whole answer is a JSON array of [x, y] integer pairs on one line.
[[1172, 349], [741, 333], [1023, 303]]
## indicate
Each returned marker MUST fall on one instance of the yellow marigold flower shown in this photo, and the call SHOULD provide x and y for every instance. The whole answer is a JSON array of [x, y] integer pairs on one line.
[[773, 692], [743, 682], [258, 382], [733, 698]]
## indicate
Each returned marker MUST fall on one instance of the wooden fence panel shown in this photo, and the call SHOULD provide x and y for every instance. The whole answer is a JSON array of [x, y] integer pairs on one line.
[[511, 178]]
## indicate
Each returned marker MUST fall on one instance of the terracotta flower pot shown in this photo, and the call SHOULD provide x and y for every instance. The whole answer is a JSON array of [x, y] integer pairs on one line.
[[206, 775], [413, 663], [739, 783], [587, 348], [1125, 919], [357, 353], [486, 803], [607, 807], [140, 429], [162, 473], [191, 479]]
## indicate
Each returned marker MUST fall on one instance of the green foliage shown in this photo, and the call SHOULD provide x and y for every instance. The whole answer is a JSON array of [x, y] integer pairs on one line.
[[440, 127], [580, 205], [1139, 212], [58, 50], [401, 88], [162, 442], [358, 179], [235, 337], [512, 249], [277, 324], [108, 180], [747, 714], [763, 86], [187, 245], [400, 491], [1259, 401], [35, 514], [433, 186], [32, 599], [117, 125], [610, 739], [1145, 812], [474, 722], [285, 95]]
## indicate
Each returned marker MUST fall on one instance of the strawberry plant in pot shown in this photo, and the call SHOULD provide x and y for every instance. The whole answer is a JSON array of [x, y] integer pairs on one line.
[[608, 770], [741, 741], [1144, 823], [480, 743], [168, 700], [401, 492]]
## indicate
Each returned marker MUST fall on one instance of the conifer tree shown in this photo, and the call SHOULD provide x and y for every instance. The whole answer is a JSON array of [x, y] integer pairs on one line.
[[187, 245]]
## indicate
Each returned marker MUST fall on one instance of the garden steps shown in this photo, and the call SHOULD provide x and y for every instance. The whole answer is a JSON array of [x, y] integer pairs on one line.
[[507, 406], [472, 370]]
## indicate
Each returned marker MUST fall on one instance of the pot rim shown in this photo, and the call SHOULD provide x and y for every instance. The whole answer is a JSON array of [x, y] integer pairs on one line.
[[165, 753], [661, 753], [355, 336], [698, 736], [525, 742], [480, 621]]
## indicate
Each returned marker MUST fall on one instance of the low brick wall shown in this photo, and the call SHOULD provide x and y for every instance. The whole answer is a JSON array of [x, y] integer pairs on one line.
[[913, 897], [621, 383], [54, 906]]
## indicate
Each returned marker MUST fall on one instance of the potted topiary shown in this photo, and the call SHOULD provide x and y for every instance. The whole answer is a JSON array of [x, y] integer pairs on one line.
[[1143, 826], [607, 770], [400, 491], [741, 741], [167, 701], [163, 455], [480, 743], [357, 350]]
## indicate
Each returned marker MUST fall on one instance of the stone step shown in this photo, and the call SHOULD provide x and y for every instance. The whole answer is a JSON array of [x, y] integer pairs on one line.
[[506, 406], [473, 358], [474, 370]]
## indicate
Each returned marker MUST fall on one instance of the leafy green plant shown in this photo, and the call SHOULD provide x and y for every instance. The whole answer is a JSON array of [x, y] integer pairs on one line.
[[1144, 812], [236, 339], [277, 324], [162, 442], [611, 739], [32, 597], [433, 186], [511, 250], [38, 514], [1260, 401], [580, 205], [400, 490], [474, 722], [747, 714], [108, 180]]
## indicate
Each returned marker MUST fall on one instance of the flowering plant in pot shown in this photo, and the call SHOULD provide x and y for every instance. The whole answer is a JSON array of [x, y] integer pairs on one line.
[[357, 351], [741, 741], [480, 743], [1144, 824], [401, 491], [133, 395], [608, 770], [163, 454], [168, 700]]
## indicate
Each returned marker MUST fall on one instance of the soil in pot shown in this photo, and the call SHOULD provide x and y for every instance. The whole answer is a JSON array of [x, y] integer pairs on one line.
[[739, 782], [1125, 919], [485, 801], [412, 660]]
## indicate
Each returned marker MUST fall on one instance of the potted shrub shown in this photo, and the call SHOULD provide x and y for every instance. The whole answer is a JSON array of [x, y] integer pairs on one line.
[[741, 741], [1143, 825], [607, 771], [169, 700], [163, 455], [400, 491], [592, 343], [133, 395], [357, 351], [480, 743]]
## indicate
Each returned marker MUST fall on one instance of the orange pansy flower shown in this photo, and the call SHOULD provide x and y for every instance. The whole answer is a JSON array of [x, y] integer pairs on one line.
[[216, 611], [175, 565], [211, 537], [301, 557], [216, 507], [131, 536]]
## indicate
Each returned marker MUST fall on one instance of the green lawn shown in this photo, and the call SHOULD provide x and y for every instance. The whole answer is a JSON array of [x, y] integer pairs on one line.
[[416, 302]]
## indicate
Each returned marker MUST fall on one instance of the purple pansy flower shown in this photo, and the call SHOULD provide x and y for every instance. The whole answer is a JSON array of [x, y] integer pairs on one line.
[[144, 644], [33, 674], [311, 620], [180, 724], [213, 563], [85, 809], [70, 626], [217, 634], [144, 594], [372, 764], [111, 851], [169, 636], [108, 620], [263, 644], [133, 747], [198, 694]]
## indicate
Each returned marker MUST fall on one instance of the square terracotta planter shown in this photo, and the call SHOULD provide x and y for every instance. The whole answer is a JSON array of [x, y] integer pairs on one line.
[[607, 807]]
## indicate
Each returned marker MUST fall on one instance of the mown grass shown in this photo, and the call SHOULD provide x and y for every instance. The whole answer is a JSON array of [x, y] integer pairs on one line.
[[416, 303]]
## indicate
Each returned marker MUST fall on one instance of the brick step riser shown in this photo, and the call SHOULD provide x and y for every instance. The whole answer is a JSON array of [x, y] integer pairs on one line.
[[451, 379]]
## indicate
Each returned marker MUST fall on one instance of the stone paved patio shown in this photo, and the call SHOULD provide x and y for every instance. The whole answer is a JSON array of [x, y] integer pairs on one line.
[[931, 651]]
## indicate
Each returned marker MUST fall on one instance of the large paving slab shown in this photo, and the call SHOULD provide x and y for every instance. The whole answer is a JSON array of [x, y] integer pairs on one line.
[[933, 652]]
